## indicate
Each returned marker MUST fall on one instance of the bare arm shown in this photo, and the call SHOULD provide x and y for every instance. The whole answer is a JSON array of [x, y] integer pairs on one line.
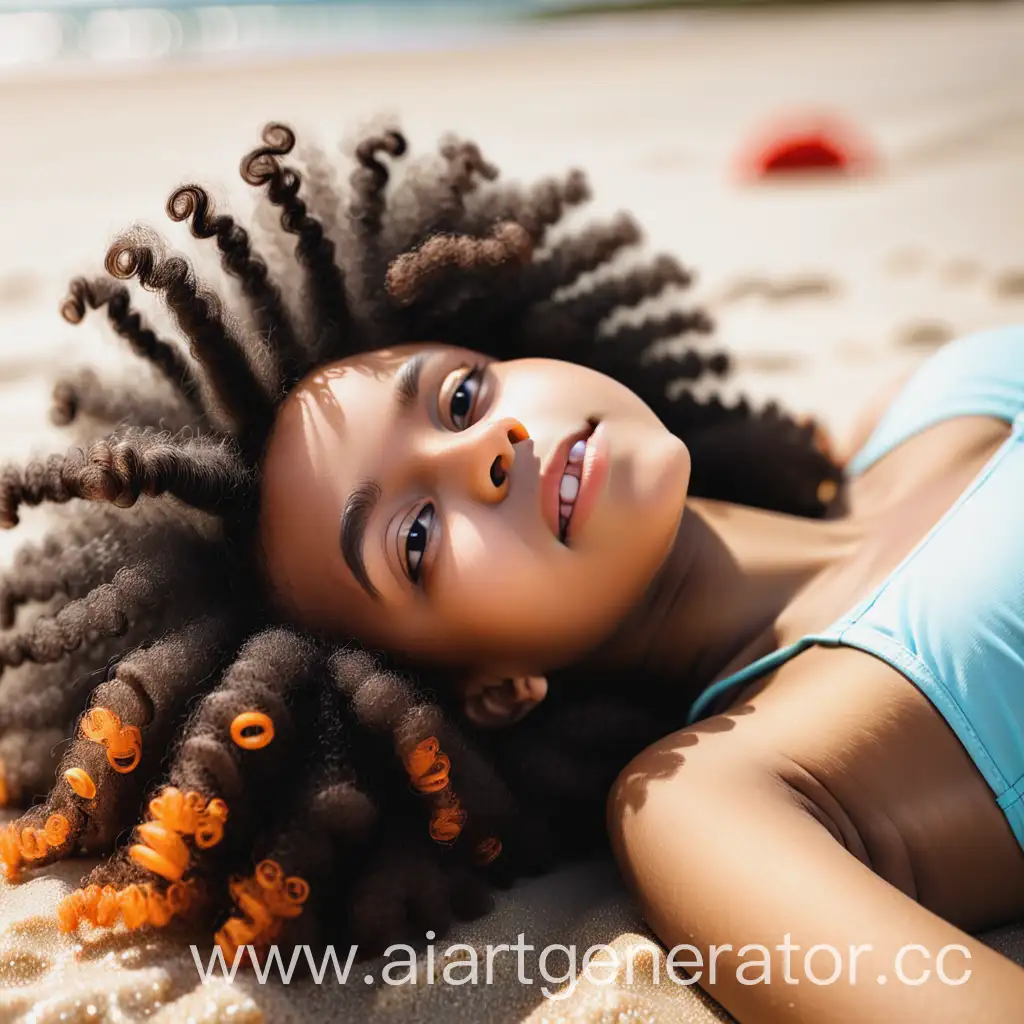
[[721, 852]]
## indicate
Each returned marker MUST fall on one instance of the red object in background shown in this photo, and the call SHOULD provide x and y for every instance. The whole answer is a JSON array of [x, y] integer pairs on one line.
[[808, 144]]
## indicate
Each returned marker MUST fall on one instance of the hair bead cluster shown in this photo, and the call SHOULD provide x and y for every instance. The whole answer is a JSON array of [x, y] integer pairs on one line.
[[28, 843], [134, 906], [429, 770], [123, 743], [143, 629], [267, 899], [173, 816]]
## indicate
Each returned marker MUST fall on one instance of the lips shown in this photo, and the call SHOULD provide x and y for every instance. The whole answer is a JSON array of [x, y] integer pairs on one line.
[[564, 481]]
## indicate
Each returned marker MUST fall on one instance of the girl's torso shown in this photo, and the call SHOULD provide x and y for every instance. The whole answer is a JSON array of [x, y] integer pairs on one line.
[[895, 682]]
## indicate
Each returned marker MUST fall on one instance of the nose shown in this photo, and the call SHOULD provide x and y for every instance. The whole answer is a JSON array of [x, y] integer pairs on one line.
[[480, 459]]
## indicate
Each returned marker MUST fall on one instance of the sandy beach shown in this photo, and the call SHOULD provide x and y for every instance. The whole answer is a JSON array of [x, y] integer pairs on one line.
[[822, 289]]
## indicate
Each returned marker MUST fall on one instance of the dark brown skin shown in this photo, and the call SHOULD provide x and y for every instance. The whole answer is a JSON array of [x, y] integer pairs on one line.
[[830, 802]]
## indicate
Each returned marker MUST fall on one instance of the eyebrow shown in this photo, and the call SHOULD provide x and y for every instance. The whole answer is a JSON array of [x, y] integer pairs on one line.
[[354, 518], [407, 381], [359, 506]]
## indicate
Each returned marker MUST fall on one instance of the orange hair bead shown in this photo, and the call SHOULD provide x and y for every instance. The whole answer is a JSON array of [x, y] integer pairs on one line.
[[134, 910], [56, 829], [176, 810], [67, 915], [487, 851], [108, 908], [210, 827], [33, 843], [10, 852], [268, 874], [123, 742], [446, 823], [159, 912], [80, 782], [296, 889], [252, 720], [265, 901], [100, 723], [428, 766], [91, 901], [164, 852], [124, 751]]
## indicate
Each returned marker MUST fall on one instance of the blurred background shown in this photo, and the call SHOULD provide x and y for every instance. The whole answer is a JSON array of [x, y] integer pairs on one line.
[[907, 229], [76, 32]]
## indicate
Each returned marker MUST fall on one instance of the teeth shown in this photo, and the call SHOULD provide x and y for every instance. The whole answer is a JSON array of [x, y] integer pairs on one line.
[[569, 485], [568, 488]]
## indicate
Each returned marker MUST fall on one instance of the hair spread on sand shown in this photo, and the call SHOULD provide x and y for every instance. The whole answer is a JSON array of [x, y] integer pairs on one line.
[[236, 768]]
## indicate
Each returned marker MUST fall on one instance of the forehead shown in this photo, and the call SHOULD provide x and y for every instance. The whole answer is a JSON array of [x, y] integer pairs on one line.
[[333, 399]]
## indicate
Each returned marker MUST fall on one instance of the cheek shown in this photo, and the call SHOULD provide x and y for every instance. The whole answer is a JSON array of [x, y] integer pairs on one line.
[[502, 596], [543, 385], [489, 573]]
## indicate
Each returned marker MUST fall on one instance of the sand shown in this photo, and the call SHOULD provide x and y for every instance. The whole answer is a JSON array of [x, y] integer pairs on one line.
[[823, 290]]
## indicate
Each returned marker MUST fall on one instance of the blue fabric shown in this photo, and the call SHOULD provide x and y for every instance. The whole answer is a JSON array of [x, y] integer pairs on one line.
[[980, 375], [950, 616]]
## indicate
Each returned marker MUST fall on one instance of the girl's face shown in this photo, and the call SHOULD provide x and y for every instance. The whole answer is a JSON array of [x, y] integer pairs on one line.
[[415, 498]]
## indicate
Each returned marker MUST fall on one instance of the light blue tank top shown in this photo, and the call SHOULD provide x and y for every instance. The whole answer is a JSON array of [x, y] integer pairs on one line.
[[950, 616]]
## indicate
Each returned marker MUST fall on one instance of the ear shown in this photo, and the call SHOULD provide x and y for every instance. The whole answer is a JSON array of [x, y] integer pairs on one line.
[[494, 703]]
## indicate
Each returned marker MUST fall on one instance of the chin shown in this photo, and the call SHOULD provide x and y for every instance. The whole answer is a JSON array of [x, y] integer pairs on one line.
[[662, 477], [681, 476], [666, 499]]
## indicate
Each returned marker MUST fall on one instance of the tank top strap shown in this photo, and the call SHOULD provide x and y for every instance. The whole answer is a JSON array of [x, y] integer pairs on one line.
[[978, 375]]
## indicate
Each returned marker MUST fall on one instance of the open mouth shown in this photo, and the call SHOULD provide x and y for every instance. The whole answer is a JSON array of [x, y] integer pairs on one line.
[[569, 485]]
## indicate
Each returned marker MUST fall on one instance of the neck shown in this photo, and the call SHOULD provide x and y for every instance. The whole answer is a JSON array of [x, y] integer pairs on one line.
[[711, 609]]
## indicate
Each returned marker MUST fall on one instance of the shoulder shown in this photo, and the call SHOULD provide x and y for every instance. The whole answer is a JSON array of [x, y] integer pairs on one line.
[[869, 416], [846, 742], [980, 374]]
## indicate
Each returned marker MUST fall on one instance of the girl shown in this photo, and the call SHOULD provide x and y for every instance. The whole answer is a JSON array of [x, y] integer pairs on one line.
[[439, 452]]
